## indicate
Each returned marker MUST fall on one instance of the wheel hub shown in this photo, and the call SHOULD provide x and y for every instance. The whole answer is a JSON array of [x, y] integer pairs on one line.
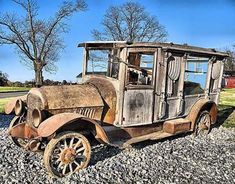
[[68, 155]]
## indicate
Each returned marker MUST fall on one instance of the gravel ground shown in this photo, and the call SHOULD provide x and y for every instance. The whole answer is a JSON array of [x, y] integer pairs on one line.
[[175, 160]]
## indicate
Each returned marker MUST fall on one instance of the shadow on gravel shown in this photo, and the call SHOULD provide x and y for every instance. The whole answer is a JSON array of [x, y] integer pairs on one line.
[[224, 112], [143, 144], [103, 152], [5, 120], [100, 153]]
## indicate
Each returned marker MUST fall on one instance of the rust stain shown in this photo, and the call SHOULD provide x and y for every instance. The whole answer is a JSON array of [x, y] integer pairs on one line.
[[108, 93], [23, 130], [52, 124], [202, 104]]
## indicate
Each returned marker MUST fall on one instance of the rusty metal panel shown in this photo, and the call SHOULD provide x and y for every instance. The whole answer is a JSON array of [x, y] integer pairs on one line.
[[82, 99], [138, 107], [108, 93], [10, 106], [72, 96], [200, 105], [52, 124], [23, 130], [33, 101], [190, 100]]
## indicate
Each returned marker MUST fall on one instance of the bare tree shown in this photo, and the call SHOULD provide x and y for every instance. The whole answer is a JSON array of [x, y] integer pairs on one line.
[[230, 64], [37, 41], [131, 22]]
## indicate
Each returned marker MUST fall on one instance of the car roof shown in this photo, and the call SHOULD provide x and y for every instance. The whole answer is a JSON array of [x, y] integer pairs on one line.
[[171, 47]]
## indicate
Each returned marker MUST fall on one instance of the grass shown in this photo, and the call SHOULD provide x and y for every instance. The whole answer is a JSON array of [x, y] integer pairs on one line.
[[227, 108], [9, 89], [3, 101], [227, 97]]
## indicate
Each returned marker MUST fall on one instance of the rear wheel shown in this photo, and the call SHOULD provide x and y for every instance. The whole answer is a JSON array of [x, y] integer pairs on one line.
[[203, 124], [67, 153]]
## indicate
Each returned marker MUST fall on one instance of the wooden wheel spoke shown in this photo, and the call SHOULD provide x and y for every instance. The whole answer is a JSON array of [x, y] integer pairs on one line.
[[77, 144], [65, 144], [60, 165], [76, 163], [65, 154], [203, 118], [64, 169], [71, 168], [58, 160], [80, 150], [204, 124], [71, 142]]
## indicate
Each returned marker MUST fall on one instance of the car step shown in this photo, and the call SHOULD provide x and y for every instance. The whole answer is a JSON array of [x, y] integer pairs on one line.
[[176, 126], [152, 136]]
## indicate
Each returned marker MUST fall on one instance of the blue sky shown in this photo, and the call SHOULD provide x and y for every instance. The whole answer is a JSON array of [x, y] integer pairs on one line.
[[206, 23]]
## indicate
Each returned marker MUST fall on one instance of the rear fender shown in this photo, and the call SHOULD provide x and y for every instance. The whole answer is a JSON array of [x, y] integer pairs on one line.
[[72, 121], [200, 105]]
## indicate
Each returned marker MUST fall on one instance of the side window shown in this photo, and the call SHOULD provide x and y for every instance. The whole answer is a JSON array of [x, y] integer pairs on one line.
[[195, 75], [98, 61], [103, 62], [140, 68]]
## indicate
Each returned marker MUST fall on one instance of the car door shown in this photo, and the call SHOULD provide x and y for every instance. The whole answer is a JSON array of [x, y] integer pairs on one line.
[[139, 88]]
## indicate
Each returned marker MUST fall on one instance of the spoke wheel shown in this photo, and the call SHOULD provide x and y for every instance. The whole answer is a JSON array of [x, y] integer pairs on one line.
[[203, 124], [18, 141], [67, 153]]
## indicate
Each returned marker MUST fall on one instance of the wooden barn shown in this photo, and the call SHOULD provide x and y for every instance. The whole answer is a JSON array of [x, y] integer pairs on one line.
[[229, 79]]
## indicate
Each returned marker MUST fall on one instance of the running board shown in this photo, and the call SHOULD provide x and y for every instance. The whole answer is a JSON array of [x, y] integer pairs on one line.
[[152, 136]]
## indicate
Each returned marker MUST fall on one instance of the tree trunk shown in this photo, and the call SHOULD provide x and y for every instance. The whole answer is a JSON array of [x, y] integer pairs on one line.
[[38, 76]]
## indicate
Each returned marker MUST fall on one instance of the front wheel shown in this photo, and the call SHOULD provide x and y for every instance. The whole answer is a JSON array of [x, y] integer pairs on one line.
[[67, 153], [203, 124]]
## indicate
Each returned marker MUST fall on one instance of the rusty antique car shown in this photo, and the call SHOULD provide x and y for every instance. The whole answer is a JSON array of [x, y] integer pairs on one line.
[[130, 92]]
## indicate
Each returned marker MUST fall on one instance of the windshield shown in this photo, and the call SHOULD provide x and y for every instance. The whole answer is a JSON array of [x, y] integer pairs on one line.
[[102, 62]]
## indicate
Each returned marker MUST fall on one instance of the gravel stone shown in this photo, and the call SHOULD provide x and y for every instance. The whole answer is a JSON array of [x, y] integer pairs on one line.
[[181, 159]]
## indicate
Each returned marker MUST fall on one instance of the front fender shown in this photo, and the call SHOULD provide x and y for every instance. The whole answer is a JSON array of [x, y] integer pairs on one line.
[[54, 123], [10, 106]]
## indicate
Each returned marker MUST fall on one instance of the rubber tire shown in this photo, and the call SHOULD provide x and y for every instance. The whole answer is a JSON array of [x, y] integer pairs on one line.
[[50, 148]]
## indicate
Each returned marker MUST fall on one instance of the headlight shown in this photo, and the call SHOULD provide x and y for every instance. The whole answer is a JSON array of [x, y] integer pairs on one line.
[[19, 107], [38, 117]]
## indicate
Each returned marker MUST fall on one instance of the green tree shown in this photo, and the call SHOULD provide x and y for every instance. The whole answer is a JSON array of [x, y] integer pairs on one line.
[[3, 78], [229, 65]]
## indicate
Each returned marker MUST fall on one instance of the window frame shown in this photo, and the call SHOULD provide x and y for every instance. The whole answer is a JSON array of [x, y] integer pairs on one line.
[[198, 60], [141, 52], [108, 72]]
